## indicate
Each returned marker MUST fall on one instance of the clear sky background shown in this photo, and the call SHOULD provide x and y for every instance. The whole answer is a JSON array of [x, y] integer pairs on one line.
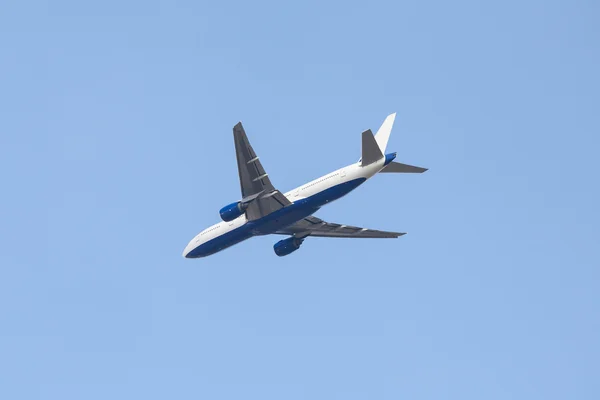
[[116, 149]]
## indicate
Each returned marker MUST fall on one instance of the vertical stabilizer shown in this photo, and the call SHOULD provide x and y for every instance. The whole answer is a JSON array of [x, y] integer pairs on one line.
[[383, 134]]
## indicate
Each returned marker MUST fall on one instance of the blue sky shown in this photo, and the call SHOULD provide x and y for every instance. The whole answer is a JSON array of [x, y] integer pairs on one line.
[[116, 149]]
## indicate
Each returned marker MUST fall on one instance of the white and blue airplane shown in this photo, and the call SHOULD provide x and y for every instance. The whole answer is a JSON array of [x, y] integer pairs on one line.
[[264, 210]]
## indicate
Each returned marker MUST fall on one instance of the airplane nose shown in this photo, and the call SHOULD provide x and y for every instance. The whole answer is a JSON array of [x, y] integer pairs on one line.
[[187, 250]]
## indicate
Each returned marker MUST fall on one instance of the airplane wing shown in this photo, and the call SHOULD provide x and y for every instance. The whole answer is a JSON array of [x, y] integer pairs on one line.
[[255, 184], [313, 226]]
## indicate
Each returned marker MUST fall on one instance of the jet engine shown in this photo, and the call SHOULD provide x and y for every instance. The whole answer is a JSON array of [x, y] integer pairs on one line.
[[287, 246], [232, 211]]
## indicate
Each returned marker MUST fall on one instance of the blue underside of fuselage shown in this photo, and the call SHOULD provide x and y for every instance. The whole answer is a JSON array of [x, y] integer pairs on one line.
[[277, 220]]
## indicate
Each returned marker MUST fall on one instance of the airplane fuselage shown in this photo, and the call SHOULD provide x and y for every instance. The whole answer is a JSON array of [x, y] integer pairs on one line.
[[306, 200]]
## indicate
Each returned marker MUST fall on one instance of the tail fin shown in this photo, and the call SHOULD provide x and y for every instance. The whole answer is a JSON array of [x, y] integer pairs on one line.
[[370, 150], [381, 139], [383, 134], [400, 168]]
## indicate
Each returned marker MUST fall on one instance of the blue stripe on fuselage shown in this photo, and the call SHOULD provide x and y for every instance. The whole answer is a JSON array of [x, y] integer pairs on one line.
[[276, 220]]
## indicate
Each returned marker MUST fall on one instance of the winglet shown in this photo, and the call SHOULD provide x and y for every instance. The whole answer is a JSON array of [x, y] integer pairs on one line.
[[370, 150], [383, 134]]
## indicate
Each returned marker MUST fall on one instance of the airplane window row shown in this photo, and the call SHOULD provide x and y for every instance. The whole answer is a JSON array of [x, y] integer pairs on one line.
[[319, 181], [210, 230]]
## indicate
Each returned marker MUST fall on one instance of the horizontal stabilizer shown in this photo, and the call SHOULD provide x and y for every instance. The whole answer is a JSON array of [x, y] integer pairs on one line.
[[396, 167], [370, 149]]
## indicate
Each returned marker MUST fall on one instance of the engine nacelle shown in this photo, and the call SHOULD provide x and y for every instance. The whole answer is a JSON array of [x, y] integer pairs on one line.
[[232, 211], [287, 246]]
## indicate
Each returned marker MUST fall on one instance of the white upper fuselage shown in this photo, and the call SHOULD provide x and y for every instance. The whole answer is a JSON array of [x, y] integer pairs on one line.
[[340, 176]]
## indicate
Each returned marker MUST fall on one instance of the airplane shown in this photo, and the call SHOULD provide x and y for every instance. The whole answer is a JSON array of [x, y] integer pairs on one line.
[[264, 210]]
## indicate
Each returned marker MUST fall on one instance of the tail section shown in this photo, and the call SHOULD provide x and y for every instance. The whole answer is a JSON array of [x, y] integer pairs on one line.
[[370, 150], [396, 167], [383, 134], [373, 149]]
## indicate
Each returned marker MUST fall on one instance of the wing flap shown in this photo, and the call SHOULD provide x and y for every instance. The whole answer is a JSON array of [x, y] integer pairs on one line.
[[265, 205], [312, 226]]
